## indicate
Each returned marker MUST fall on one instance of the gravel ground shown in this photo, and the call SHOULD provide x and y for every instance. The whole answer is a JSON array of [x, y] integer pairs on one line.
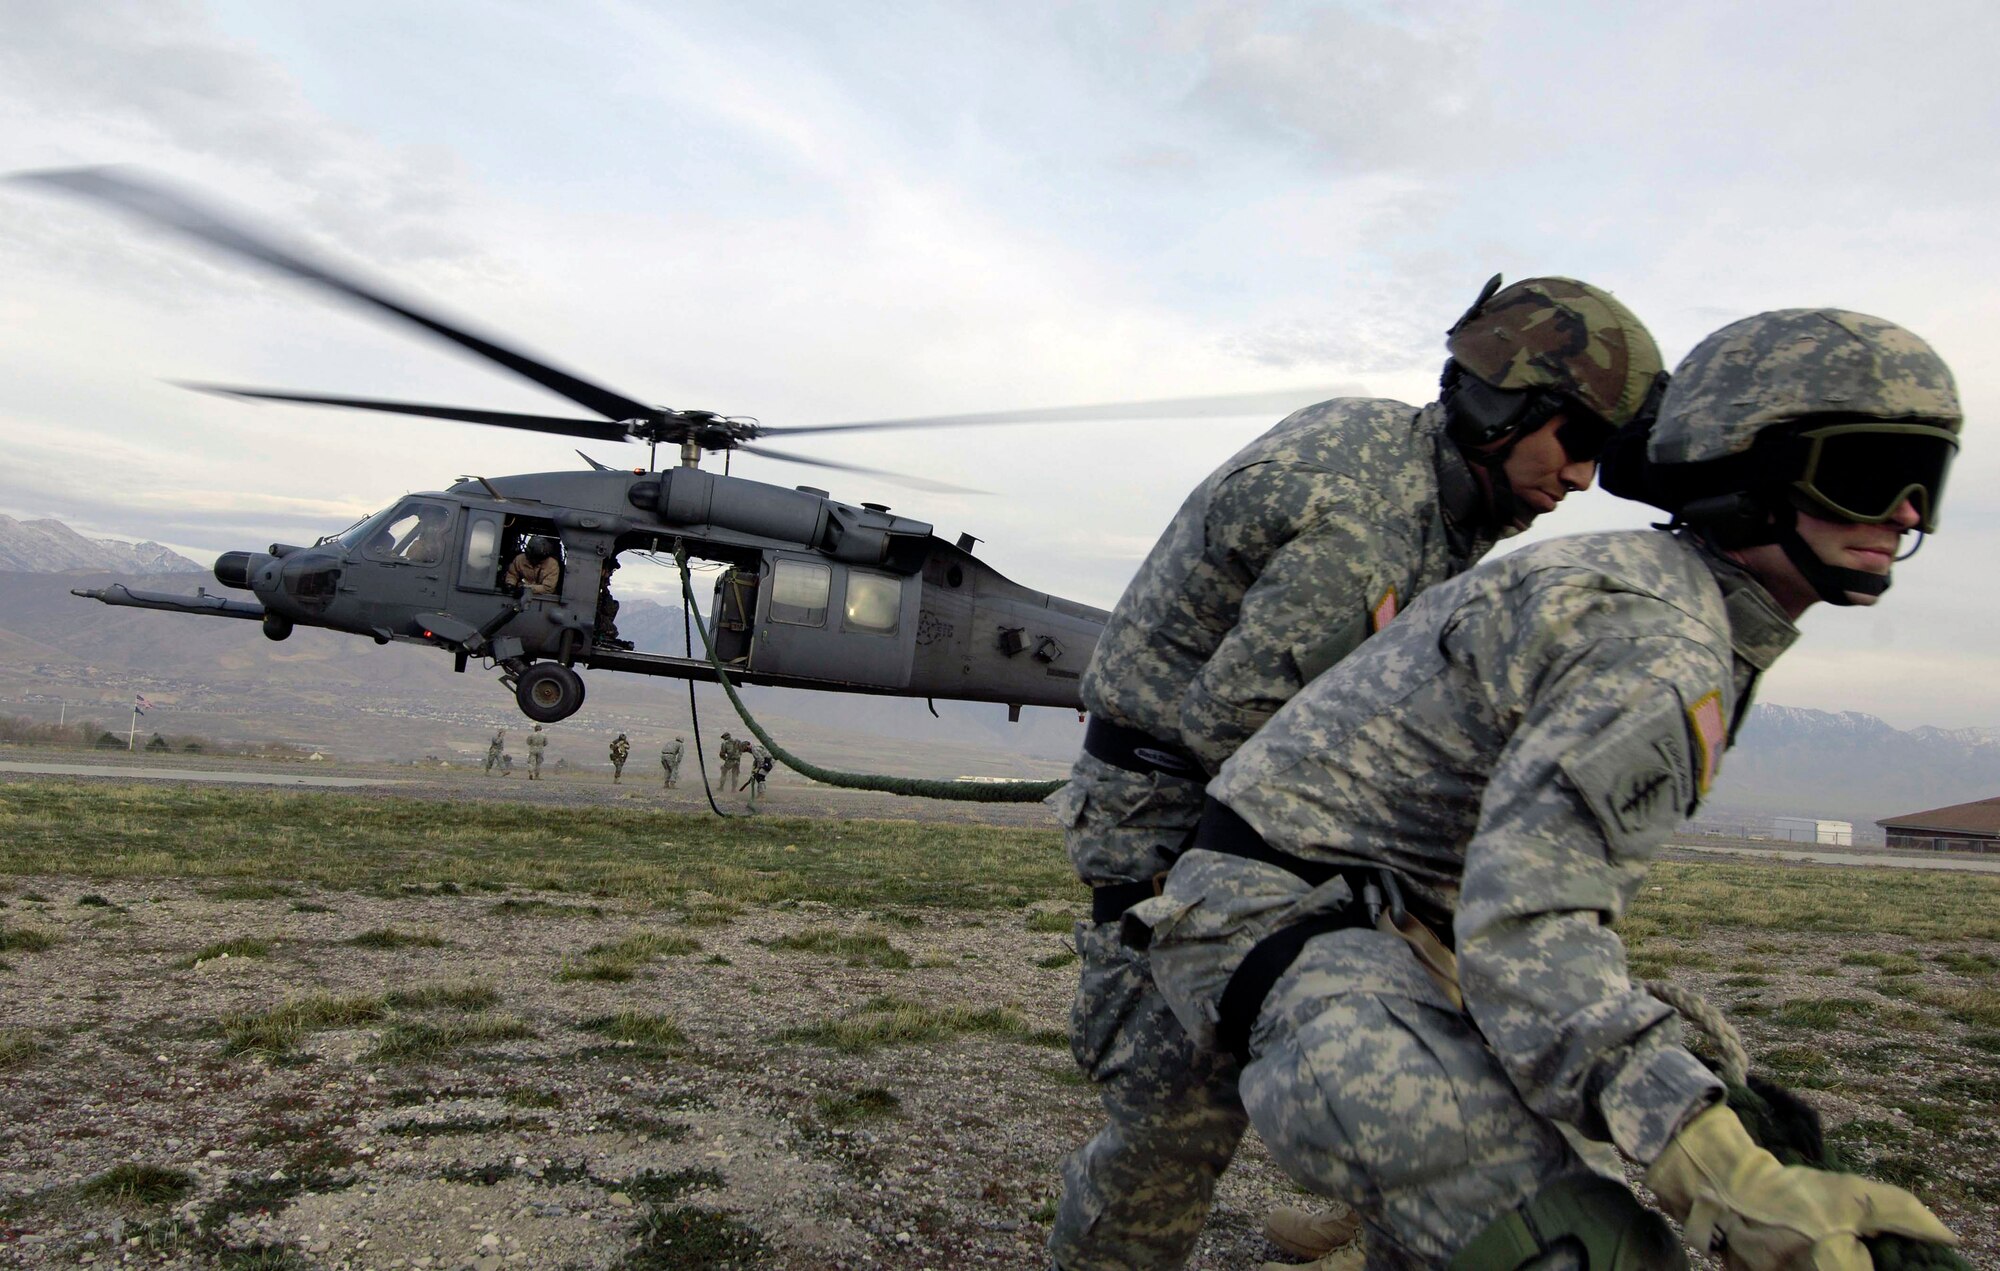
[[568, 1147], [535, 1152]]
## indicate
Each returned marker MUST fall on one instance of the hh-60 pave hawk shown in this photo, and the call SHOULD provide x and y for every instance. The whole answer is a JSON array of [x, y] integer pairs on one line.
[[815, 593]]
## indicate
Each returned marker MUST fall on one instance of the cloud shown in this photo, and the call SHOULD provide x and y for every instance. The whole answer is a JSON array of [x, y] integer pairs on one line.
[[1357, 87]]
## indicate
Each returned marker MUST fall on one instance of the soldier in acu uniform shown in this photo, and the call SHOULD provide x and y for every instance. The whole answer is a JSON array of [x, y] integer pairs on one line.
[[670, 762], [494, 749], [731, 754], [1276, 567], [1398, 910], [621, 750], [538, 744]]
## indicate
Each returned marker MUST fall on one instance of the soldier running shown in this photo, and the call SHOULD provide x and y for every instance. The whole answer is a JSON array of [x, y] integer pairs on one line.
[[670, 763], [494, 749], [621, 749], [538, 742]]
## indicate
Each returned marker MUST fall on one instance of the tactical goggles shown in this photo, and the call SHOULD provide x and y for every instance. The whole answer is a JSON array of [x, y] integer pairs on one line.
[[1863, 472]]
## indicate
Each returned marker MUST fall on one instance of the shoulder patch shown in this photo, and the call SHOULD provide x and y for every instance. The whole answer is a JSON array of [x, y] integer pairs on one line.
[[1383, 612], [1711, 737], [1640, 779]]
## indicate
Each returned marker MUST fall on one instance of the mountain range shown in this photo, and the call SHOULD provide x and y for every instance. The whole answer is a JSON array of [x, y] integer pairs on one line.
[[224, 679], [49, 546]]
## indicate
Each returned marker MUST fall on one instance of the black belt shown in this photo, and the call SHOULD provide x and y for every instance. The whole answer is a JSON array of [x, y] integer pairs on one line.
[[1221, 830], [1135, 751], [1109, 902]]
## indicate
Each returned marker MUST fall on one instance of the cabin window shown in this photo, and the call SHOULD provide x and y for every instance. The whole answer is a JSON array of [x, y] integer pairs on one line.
[[482, 549], [874, 603], [799, 591]]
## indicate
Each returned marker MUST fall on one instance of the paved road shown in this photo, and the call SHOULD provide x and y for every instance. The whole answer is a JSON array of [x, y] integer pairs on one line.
[[123, 773], [1871, 860]]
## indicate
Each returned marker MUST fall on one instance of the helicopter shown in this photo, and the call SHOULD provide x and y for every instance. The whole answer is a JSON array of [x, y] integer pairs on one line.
[[813, 593]]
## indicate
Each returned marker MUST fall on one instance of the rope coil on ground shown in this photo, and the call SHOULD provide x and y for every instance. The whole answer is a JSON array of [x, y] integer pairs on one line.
[[922, 787]]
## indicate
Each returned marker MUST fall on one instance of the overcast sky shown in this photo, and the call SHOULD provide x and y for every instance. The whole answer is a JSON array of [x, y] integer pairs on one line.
[[811, 213]]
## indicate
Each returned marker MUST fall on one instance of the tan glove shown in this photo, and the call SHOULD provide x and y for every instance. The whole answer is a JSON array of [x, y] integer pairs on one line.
[[1736, 1200]]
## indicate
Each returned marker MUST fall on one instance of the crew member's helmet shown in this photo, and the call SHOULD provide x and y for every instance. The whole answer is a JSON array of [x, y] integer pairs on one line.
[[1825, 411], [539, 548], [1544, 346]]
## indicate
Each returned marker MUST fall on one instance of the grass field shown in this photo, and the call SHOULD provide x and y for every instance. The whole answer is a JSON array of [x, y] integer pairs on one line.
[[863, 988]]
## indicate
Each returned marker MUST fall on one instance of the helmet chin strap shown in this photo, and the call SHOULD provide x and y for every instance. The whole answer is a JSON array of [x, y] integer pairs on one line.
[[1502, 506], [1830, 582]]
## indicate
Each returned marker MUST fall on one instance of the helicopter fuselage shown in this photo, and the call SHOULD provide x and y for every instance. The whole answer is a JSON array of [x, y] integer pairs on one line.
[[815, 593]]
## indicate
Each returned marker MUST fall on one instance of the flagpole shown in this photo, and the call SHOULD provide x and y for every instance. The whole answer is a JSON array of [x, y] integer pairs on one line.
[[133, 731]]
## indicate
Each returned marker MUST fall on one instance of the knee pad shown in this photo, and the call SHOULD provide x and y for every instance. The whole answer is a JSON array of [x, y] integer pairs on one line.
[[1598, 1222]]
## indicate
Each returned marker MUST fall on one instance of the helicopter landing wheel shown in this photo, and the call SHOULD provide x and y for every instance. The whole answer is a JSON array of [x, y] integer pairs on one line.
[[549, 691]]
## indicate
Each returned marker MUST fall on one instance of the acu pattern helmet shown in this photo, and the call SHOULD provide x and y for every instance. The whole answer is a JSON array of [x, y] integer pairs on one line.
[[1835, 413]]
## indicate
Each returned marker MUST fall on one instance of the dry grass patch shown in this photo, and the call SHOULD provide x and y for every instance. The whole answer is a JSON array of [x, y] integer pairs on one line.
[[859, 948], [869, 1103], [236, 947], [637, 1028], [619, 960], [18, 1046], [421, 1039], [135, 1183], [1975, 1007], [893, 1021], [391, 938], [277, 1031], [25, 939]]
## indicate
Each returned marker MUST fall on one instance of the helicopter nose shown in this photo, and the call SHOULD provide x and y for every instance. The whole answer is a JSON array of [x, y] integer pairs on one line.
[[232, 569]]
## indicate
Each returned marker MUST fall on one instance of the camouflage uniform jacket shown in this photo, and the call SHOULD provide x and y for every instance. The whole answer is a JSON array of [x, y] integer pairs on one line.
[[620, 749], [1516, 747], [1278, 565]]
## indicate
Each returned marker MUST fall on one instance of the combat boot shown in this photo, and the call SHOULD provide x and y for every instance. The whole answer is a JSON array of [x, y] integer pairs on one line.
[[1312, 1235], [1349, 1257]]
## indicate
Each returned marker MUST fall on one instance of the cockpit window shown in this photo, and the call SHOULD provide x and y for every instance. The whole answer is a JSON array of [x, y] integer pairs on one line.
[[415, 533], [363, 530]]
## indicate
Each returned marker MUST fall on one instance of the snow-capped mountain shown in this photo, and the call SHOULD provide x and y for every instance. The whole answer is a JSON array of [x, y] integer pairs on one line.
[[50, 547]]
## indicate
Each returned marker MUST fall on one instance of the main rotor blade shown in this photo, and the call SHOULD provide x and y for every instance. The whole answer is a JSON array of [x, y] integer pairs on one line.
[[592, 429], [150, 201], [1278, 401], [915, 483]]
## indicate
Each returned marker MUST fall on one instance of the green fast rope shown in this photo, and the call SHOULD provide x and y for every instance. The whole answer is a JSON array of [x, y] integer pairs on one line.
[[920, 787]]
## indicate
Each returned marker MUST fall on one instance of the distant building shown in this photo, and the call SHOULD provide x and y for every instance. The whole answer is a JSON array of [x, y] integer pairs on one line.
[[1962, 827], [1805, 829]]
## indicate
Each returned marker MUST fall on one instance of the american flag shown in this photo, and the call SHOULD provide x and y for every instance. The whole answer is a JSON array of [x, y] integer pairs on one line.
[[140, 704]]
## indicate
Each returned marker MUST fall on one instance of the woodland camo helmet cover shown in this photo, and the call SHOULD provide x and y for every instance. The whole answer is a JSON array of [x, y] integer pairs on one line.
[[1561, 336]]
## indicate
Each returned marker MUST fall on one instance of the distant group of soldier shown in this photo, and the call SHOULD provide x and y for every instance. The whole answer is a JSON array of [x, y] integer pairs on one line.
[[732, 754], [1360, 815]]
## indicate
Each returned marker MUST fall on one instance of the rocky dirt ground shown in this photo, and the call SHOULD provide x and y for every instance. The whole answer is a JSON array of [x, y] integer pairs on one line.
[[556, 1148], [469, 1082]]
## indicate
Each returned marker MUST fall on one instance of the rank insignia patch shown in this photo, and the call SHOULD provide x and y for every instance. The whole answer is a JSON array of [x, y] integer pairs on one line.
[[1383, 612]]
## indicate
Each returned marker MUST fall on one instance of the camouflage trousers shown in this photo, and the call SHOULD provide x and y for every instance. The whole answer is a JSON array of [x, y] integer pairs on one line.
[[1137, 1194], [729, 776], [1369, 1086]]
